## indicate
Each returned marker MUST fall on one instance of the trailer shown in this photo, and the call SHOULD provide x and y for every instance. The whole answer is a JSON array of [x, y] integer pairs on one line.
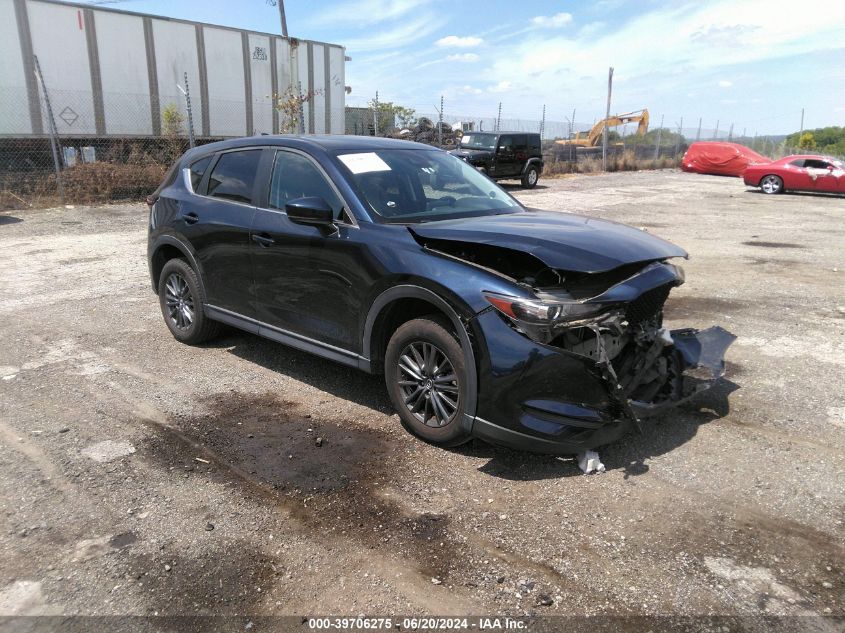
[[111, 74]]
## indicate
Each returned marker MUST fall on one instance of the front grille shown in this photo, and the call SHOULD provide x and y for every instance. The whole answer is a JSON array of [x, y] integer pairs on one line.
[[647, 305]]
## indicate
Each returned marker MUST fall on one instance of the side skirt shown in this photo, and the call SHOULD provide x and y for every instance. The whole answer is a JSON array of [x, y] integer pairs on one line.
[[291, 339]]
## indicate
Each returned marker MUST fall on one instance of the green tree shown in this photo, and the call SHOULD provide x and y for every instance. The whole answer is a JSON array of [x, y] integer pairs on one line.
[[807, 141]]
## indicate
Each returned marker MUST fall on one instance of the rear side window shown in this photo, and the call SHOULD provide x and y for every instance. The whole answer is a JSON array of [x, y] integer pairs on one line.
[[534, 143], [520, 142], [197, 170], [234, 175], [295, 176], [798, 163]]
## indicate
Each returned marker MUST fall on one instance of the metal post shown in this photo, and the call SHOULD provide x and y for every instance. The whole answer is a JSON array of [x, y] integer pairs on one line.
[[680, 133], [543, 122], [731, 133], [54, 134], [802, 124], [698, 134], [659, 132], [190, 114], [499, 117], [301, 108], [375, 115], [716, 133], [607, 116], [440, 123], [571, 130]]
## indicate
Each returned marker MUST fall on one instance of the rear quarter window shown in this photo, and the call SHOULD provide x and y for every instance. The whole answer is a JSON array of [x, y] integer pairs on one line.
[[233, 176], [198, 170]]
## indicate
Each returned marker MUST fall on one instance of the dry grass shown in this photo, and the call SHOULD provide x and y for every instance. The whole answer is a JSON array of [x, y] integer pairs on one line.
[[625, 161], [103, 182]]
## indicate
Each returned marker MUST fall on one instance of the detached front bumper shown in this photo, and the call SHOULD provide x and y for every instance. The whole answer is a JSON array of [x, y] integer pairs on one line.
[[545, 399]]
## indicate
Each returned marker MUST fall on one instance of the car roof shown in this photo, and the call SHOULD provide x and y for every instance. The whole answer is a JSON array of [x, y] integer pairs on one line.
[[324, 142]]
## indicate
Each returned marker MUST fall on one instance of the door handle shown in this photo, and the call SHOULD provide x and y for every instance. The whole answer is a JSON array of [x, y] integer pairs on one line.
[[263, 240], [191, 218]]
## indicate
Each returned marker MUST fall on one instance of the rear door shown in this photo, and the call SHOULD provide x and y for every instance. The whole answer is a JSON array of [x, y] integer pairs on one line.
[[217, 225]]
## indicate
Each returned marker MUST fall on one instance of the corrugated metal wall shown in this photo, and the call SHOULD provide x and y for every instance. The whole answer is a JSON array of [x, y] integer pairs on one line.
[[112, 73]]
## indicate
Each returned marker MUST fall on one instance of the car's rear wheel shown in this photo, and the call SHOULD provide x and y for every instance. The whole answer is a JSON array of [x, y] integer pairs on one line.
[[426, 379], [771, 184], [181, 304], [530, 177]]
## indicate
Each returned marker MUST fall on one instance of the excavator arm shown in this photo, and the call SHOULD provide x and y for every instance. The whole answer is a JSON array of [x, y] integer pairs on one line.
[[595, 133]]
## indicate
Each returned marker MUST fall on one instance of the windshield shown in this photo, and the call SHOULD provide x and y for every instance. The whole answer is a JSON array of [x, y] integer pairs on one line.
[[478, 141], [410, 185]]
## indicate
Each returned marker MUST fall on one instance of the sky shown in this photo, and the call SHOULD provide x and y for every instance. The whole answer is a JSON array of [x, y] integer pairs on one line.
[[751, 63]]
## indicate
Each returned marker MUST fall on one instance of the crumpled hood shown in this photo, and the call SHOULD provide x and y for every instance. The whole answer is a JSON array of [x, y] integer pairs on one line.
[[560, 240]]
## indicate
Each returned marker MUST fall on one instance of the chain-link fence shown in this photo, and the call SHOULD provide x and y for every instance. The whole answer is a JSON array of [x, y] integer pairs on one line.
[[66, 154]]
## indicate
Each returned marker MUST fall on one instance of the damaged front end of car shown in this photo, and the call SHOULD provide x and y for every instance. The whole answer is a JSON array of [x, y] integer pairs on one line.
[[596, 356], [620, 333]]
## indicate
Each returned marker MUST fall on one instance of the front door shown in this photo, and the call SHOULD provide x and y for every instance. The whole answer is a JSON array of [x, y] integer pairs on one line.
[[506, 162], [306, 277]]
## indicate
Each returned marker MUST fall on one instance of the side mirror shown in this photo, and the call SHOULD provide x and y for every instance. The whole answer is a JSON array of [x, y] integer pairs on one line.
[[310, 210]]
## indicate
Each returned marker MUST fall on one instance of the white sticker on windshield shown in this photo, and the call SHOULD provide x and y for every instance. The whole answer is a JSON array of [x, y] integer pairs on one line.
[[364, 163]]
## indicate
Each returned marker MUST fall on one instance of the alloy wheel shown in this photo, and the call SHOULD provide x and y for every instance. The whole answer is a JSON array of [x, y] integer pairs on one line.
[[770, 184], [179, 301], [532, 177], [428, 383]]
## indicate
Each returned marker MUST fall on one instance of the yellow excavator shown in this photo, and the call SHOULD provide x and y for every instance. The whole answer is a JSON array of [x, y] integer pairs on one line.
[[593, 137]]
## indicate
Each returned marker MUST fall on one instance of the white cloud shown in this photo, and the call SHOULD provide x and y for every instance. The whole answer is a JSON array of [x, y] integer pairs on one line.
[[364, 12], [463, 57], [455, 41], [405, 33], [552, 21], [724, 83], [502, 86]]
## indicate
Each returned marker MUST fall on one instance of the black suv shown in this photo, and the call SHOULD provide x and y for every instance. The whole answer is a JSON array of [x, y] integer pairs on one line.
[[503, 155], [533, 329]]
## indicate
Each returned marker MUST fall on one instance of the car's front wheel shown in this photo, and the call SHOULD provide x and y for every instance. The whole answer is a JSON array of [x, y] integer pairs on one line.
[[530, 177], [771, 184], [426, 379], [181, 304]]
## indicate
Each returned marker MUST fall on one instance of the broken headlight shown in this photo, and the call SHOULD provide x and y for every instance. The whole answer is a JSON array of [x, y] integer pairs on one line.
[[539, 319]]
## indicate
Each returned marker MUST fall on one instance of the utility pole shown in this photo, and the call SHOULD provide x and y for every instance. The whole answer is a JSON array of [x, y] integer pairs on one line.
[[607, 116], [659, 132], [499, 117], [802, 123], [698, 134], [281, 5], [543, 122]]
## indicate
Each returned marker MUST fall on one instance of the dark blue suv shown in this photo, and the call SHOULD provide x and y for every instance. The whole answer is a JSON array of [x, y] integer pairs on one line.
[[537, 330]]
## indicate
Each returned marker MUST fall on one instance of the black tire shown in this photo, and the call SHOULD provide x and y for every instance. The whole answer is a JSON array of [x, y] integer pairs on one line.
[[771, 184], [425, 333], [181, 304], [530, 177]]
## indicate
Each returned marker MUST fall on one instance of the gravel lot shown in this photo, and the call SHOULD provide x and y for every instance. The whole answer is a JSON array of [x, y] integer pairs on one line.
[[141, 476]]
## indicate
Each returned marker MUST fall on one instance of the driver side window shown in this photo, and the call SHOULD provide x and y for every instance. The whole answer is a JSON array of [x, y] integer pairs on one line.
[[295, 176]]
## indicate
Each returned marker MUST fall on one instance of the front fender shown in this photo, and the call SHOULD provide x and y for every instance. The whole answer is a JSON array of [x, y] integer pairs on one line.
[[414, 291]]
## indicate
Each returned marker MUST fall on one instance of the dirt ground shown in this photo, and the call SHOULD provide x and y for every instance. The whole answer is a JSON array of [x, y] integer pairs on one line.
[[141, 476]]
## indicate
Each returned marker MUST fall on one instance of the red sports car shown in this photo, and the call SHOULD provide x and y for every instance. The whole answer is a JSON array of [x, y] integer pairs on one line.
[[798, 173]]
